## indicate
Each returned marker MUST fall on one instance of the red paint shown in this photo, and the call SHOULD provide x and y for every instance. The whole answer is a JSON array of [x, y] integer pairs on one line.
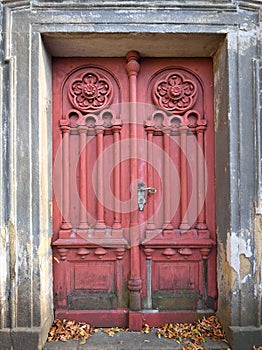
[[134, 283], [104, 248], [83, 180], [184, 226], [100, 223]]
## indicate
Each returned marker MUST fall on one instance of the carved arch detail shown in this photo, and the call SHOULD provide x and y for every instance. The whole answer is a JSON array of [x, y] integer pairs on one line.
[[106, 119]]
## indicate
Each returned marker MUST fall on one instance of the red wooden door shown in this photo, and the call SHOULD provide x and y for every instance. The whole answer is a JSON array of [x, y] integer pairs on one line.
[[133, 174]]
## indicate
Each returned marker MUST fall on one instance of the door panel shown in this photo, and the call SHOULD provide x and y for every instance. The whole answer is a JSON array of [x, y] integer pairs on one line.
[[134, 216]]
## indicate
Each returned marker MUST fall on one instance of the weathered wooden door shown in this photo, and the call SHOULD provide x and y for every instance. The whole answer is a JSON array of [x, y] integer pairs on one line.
[[133, 174]]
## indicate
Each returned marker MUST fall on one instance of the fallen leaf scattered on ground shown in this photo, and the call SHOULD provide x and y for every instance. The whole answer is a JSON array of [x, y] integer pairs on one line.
[[146, 329], [64, 330], [193, 335], [112, 331], [259, 348]]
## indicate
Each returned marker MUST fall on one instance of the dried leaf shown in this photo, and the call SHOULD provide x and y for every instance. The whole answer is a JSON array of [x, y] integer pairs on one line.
[[64, 330], [115, 329], [111, 331], [146, 329], [193, 335], [83, 341]]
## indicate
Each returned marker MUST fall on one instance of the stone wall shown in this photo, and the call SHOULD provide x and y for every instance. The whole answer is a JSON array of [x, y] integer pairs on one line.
[[34, 31]]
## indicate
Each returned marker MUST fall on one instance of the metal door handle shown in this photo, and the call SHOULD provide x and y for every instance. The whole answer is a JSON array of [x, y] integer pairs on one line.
[[151, 190], [142, 194]]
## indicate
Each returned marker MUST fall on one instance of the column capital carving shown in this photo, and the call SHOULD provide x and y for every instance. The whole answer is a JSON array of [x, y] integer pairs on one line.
[[132, 66], [134, 285], [64, 126], [99, 129]]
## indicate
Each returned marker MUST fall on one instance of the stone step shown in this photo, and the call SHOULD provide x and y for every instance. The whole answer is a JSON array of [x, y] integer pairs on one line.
[[128, 341]]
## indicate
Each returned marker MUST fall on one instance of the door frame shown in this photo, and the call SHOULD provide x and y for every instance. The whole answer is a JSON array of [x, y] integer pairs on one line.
[[27, 213], [219, 63], [218, 39]]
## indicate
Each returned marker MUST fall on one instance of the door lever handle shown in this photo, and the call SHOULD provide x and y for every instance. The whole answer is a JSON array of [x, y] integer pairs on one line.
[[151, 190], [142, 191]]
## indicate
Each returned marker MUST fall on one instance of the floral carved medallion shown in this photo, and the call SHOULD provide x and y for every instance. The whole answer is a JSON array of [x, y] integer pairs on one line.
[[175, 93], [91, 92]]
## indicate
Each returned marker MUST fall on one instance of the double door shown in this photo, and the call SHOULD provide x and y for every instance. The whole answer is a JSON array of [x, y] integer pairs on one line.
[[133, 190]]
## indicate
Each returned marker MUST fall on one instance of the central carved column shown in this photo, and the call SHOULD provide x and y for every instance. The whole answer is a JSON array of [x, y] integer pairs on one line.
[[134, 283]]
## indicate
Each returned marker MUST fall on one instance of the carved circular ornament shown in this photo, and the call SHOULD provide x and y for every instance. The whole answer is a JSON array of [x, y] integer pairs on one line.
[[92, 92], [175, 93]]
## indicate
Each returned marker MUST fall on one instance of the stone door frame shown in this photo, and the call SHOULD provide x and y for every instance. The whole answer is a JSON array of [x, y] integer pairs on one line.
[[33, 32]]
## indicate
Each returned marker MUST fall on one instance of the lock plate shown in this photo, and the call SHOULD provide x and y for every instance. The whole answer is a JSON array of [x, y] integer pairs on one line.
[[142, 191]]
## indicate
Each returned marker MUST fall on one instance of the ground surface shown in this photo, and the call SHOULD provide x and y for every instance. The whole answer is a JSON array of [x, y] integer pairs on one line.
[[128, 341]]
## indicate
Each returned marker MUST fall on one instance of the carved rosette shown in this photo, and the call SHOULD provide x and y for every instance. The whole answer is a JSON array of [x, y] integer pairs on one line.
[[92, 92], [175, 93]]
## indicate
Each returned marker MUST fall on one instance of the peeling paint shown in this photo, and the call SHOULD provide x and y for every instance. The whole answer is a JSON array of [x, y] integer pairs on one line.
[[237, 246], [227, 281], [245, 268], [13, 274], [3, 237], [230, 274], [3, 276], [258, 270]]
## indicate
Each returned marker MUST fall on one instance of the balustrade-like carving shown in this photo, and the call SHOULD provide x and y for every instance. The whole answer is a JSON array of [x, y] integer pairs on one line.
[[168, 253], [175, 92], [105, 122]]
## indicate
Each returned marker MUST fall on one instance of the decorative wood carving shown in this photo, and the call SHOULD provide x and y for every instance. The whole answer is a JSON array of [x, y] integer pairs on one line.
[[63, 253], [148, 253], [174, 264], [76, 120], [174, 92], [120, 253], [83, 252], [92, 92], [185, 252], [100, 252], [134, 283], [169, 252], [205, 252]]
